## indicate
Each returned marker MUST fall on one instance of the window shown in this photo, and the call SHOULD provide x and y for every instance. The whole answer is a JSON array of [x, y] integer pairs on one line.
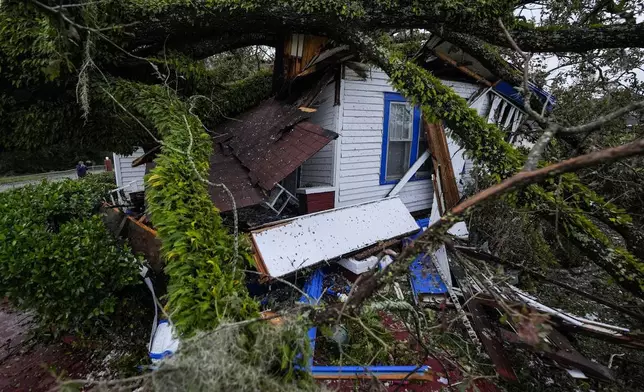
[[403, 140]]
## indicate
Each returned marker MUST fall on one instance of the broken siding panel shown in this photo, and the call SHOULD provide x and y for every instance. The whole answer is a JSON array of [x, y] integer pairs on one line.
[[125, 173], [318, 170], [463, 168], [305, 241]]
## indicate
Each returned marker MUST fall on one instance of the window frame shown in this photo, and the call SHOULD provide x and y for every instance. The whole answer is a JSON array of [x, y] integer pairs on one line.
[[415, 140]]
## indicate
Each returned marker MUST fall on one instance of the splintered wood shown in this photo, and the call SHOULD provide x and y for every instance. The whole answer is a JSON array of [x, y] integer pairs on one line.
[[442, 164]]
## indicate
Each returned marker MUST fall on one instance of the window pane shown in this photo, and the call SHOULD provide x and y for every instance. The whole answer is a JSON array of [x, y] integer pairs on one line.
[[401, 121], [397, 159]]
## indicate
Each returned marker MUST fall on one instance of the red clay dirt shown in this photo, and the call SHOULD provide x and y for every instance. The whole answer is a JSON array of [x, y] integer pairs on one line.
[[27, 364]]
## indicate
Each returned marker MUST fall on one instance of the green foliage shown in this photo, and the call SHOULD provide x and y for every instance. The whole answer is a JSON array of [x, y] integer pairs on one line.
[[361, 347], [254, 357], [232, 98], [57, 257], [31, 50], [485, 143], [206, 281]]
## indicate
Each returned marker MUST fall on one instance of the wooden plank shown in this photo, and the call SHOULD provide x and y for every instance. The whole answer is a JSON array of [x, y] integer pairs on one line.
[[377, 99], [366, 177], [508, 119], [490, 340], [463, 69], [361, 139], [410, 173], [518, 119], [350, 172], [361, 159], [484, 329], [393, 376], [443, 163], [349, 152], [364, 146]]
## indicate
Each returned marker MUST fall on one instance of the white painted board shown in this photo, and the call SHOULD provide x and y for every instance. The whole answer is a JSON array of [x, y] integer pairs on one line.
[[311, 239]]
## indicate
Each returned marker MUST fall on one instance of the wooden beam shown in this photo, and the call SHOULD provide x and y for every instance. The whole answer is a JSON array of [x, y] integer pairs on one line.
[[410, 173], [439, 149], [463, 69]]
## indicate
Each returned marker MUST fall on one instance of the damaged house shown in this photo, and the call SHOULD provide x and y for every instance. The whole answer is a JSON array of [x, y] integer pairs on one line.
[[338, 134], [364, 173]]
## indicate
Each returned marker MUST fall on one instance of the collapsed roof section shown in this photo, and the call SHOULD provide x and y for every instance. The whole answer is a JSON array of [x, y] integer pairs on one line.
[[446, 60], [286, 246], [255, 151], [259, 149]]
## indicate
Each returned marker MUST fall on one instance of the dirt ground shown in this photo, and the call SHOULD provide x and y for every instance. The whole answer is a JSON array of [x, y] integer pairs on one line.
[[29, 364]]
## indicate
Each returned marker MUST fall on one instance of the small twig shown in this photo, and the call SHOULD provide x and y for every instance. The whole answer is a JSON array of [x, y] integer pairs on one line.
[[133, 116], [80, 4], [62, 15], [402, 382]]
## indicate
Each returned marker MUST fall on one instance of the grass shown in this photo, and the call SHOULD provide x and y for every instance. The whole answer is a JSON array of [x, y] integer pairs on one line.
[[36, 177], [27, 177]]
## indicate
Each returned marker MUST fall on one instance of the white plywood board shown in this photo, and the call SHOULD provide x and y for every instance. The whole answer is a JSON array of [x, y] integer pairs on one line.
[[311, 239]]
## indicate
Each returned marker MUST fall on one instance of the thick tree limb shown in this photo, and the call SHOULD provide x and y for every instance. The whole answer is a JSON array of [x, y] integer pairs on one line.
[[184, 25], [568, 38]]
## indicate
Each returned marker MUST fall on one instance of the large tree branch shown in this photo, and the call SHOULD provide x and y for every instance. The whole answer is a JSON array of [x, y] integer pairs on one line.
[[181, 26], [568, 38], [593, 125]]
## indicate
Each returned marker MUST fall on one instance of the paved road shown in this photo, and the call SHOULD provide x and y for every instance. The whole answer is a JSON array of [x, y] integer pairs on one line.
[[55, 176]]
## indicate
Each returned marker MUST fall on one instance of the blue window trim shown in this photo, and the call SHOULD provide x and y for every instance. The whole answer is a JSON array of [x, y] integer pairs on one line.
[[395, 97]]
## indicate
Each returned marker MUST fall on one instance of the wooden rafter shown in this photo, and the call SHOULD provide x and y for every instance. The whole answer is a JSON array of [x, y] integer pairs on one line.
[[442, 163]]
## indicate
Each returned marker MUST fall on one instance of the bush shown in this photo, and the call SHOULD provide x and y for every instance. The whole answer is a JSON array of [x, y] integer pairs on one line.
[[57, 257]]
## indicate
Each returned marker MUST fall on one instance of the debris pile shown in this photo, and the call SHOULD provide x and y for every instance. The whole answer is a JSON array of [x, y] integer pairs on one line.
[[457, 295]]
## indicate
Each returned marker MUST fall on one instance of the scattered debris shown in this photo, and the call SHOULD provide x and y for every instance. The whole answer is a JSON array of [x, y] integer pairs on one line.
[[359, 266]]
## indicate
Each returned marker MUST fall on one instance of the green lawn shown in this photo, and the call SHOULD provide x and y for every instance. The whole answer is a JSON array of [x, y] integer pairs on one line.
[[27, 177]]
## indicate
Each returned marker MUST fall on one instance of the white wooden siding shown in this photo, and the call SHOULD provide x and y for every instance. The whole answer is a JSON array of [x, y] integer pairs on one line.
[[318, 170], [125, 173], [361, 142], [461, 164]]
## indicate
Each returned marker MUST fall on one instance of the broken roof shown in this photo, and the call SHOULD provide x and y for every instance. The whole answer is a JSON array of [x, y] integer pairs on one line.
[[259, 149]]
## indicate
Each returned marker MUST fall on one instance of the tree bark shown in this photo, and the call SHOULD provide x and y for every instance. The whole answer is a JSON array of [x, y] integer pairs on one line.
[[202, 31]]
